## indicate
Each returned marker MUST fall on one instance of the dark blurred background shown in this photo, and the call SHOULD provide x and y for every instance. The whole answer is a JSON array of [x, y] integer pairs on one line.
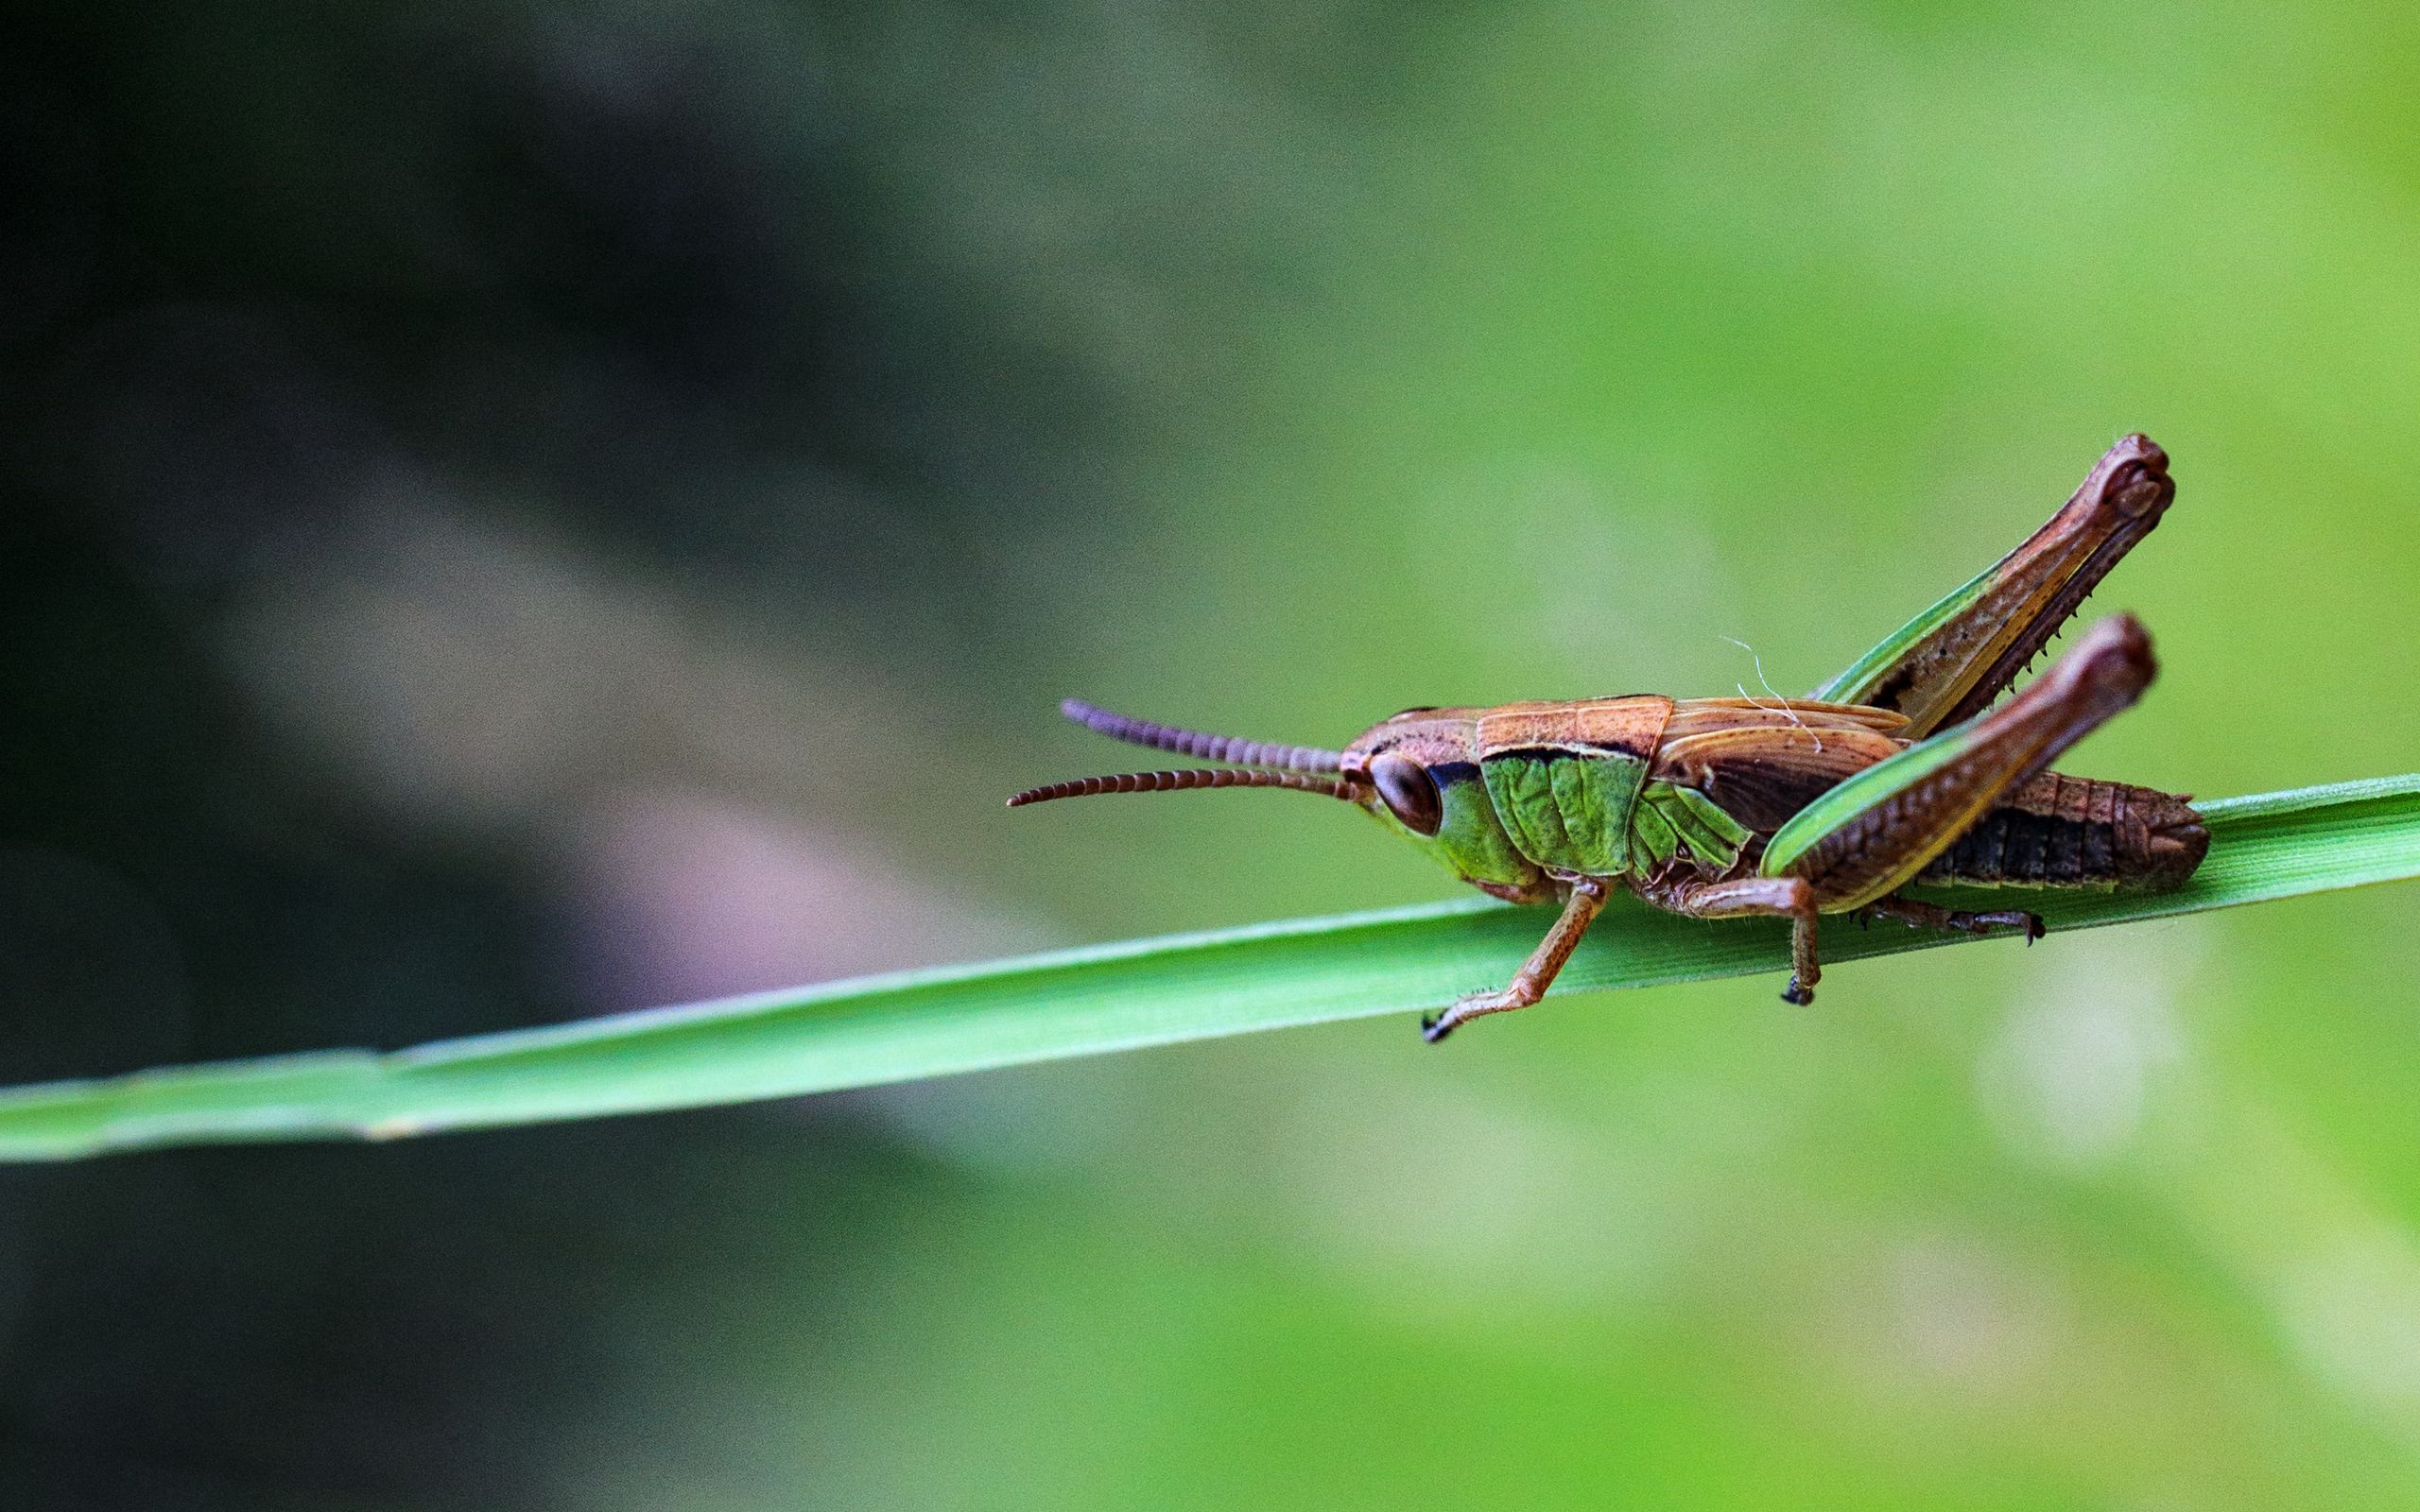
[[516, 511]]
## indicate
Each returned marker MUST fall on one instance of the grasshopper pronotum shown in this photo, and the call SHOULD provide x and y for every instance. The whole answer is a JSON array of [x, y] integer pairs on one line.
[[1899, 770]]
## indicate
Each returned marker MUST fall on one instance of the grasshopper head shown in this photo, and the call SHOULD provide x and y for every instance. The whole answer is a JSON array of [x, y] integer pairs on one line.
[[1405, 766], [1419, 773]]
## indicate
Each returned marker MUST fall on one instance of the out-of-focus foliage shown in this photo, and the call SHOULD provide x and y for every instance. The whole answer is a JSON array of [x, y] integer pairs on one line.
[[514, 511]]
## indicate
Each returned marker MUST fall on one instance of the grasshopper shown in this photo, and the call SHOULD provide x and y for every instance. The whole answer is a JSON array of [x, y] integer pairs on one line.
[[1898, 771]]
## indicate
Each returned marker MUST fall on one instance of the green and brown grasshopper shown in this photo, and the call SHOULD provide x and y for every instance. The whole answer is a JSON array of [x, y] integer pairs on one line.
[[1897, 771]]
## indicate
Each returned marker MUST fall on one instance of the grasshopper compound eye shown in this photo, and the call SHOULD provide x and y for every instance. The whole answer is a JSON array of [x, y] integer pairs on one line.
[[1410, 794]]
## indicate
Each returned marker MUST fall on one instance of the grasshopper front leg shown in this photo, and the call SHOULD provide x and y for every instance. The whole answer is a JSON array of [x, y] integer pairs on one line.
[[1580, 909]]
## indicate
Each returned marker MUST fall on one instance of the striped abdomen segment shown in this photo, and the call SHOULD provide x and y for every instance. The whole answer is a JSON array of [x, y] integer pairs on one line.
[[2075, 832]]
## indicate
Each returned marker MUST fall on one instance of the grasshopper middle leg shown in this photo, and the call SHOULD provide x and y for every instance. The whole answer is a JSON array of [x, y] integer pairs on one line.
[[1792, 898]]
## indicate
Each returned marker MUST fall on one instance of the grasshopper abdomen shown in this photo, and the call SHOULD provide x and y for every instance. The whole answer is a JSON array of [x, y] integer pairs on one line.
[[2078, 831]]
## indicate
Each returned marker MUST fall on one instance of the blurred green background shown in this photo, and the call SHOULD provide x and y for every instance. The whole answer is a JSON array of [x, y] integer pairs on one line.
[[517, 510]]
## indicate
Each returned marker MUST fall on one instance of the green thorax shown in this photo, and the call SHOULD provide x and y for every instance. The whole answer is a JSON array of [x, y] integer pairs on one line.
[[1599, 815], [1567, 810]]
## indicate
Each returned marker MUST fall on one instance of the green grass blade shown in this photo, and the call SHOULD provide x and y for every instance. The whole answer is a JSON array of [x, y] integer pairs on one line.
[[1085, 1001]]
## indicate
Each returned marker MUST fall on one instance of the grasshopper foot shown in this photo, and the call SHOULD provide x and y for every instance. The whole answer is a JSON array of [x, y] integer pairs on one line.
[[1435, 1027]]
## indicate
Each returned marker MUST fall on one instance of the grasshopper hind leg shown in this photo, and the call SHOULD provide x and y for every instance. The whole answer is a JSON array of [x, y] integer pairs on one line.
[[1853, 849], [1916, 913], [1863, 840], [1950, 662]]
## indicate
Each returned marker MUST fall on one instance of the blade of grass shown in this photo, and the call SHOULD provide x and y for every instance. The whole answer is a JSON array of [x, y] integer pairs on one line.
[[1088, 1001]]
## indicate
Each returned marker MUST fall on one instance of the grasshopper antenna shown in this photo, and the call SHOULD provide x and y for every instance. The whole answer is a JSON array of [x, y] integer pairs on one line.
[[1179, 781], [1197, 744]]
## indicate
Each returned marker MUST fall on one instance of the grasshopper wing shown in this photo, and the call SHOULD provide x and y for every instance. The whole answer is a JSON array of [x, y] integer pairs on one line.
[[1763, 763]]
